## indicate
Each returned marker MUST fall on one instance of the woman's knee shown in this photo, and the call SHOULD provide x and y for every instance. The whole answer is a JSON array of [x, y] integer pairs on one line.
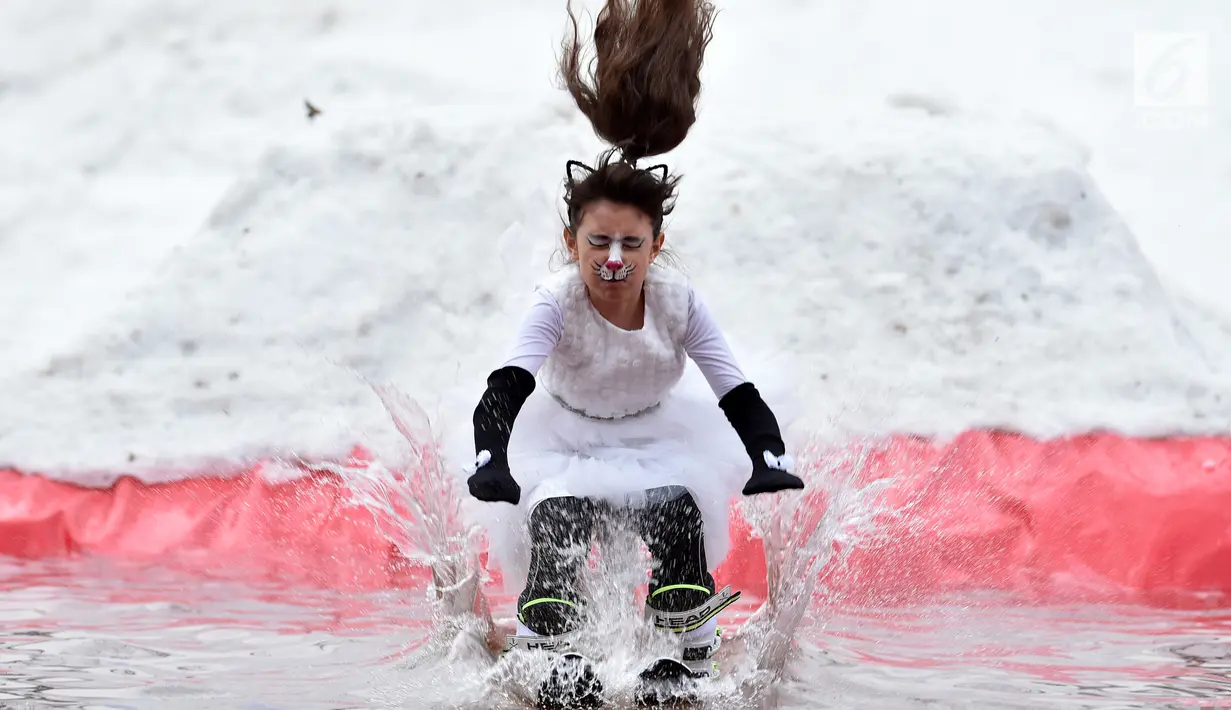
[[672, 512], [563, 515]]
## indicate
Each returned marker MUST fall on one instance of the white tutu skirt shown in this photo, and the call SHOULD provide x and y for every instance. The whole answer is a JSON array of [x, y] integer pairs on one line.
[[685, 441]]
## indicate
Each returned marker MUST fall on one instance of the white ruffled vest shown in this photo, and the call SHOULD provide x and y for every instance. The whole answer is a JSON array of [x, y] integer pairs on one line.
[[602, 371]]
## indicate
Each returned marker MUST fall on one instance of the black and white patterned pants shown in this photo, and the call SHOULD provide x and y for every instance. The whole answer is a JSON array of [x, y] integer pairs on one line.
[[562, 529]]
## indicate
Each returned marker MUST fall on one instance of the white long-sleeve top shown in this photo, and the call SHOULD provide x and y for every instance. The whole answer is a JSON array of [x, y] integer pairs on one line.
[[543, 327]]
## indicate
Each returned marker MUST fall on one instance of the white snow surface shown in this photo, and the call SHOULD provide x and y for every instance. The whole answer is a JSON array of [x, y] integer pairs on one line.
[[946, 216]]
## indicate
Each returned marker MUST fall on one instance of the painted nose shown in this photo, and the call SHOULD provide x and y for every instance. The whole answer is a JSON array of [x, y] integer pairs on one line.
[[613, 265]]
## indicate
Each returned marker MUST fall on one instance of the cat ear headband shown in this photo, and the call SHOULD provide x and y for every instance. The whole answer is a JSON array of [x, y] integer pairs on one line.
[[576, 171]]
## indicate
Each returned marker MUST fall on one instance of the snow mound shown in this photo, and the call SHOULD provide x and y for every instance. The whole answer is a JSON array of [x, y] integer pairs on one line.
[[966, 260], [972, 256]]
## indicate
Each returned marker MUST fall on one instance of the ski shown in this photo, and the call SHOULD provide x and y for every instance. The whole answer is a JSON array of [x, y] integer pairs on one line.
[[667, 682], [572, 685]]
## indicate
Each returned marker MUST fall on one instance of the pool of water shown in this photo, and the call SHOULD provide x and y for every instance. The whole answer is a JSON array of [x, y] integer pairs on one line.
[[91, 634], [989, 653], [87, 634]]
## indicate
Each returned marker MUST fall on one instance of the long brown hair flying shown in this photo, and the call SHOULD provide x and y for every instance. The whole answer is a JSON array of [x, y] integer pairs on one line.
[[640, 96]]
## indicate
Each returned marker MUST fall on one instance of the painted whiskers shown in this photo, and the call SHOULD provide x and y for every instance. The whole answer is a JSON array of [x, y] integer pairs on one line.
[[614, 269]]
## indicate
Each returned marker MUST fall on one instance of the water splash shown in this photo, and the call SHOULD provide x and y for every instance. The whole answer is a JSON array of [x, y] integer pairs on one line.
[[417, 504], [803, 534]]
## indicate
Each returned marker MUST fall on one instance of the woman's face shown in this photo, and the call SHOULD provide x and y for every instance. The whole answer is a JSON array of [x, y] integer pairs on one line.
[[614, 246]]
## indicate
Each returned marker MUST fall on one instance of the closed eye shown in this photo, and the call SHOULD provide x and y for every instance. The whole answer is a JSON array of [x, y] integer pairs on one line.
[[602, 240]]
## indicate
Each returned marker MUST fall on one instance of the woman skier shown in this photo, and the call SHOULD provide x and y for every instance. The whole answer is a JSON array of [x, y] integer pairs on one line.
[[615, 429]]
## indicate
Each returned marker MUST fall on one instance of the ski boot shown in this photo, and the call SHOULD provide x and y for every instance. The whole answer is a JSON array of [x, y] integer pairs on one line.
[[572, 683], [673, 680]]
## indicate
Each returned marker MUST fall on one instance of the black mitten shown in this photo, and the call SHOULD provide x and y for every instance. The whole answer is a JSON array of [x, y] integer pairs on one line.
[[770, 475], [493, 483], [758, 430], [507, 390]]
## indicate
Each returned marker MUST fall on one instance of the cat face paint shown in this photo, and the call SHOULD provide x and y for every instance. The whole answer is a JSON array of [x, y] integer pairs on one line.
[[615, 269], [613, 247]]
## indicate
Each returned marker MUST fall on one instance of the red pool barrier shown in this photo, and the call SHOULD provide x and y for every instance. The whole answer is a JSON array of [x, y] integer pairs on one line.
[[1098, 517]]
